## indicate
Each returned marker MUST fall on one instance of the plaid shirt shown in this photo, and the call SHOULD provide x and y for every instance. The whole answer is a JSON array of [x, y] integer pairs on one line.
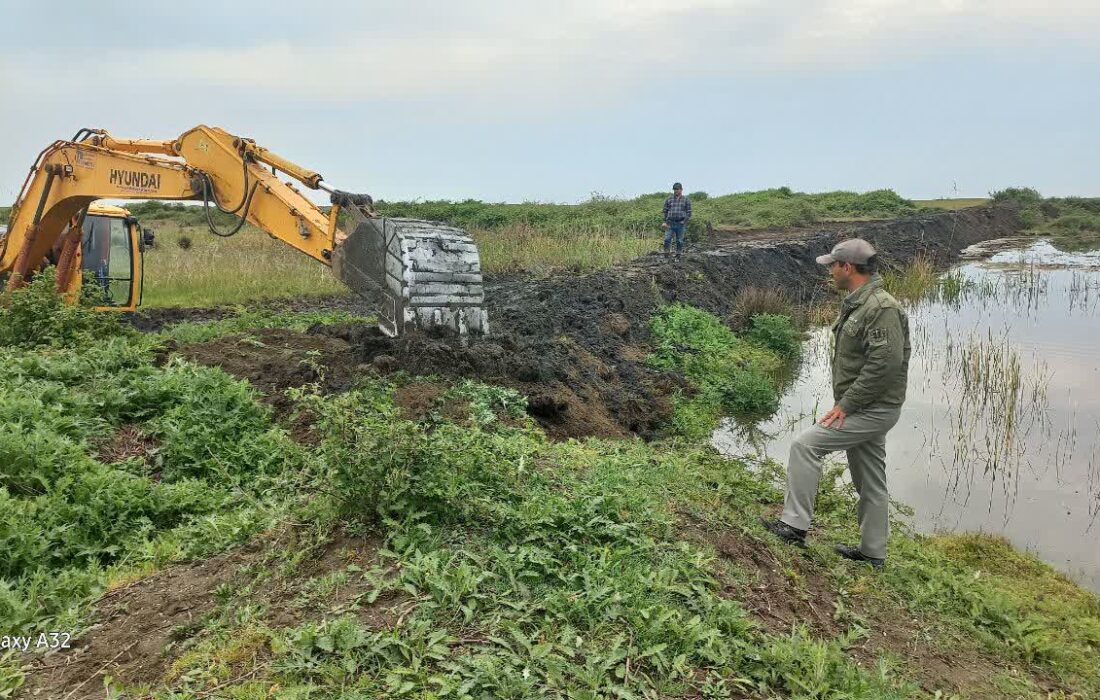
[[677, 211]]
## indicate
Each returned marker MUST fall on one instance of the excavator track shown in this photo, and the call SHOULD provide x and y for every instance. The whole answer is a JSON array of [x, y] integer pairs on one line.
[[421, 274]]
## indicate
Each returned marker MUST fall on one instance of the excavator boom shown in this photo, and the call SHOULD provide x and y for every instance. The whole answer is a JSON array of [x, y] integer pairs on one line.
[[418, 273]]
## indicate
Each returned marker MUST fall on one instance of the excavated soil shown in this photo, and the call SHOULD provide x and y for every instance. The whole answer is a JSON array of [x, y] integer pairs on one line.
[[142, 629], [575, 345]]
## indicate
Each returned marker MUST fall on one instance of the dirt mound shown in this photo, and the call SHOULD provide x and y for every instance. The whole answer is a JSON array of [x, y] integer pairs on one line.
[[141, 629], [575, 345]]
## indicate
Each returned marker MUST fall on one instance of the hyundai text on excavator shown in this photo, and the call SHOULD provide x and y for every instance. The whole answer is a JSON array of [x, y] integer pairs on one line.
[[419, 274]]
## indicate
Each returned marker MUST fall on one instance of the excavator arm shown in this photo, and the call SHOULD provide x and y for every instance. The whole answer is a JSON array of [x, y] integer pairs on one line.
[[418, 273]]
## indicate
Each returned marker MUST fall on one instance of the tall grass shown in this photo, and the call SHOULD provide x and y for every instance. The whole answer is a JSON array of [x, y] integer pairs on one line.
[[913, 282], [524, 248], [996, 407], [247, 267]]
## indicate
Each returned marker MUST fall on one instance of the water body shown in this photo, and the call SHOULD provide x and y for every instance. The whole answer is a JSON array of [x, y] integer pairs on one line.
[[1000, 432]]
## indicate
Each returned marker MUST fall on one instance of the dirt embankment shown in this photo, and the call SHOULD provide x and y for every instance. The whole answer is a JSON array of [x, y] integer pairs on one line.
[[575, 344]]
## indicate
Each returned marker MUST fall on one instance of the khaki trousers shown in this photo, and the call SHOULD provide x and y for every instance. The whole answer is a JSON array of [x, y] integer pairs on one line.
[[863, 437]]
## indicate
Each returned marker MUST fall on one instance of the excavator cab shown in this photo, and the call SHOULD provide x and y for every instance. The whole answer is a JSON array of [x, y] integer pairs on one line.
[[111, 257]]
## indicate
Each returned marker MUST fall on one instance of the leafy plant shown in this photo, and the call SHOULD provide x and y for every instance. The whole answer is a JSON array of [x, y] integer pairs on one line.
[[777, 333], [36, 315], [733, 375]]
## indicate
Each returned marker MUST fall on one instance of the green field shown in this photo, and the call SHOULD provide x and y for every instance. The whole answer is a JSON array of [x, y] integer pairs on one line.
[[456, 552], [951, 204]]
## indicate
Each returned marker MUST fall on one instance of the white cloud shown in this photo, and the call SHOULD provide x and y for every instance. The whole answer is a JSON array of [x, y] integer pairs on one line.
[[538, 54]]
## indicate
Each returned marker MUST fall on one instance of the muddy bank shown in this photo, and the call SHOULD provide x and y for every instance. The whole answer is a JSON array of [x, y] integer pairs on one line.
[[575, 344]]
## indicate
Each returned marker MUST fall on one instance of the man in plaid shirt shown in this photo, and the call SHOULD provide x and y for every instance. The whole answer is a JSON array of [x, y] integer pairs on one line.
[[677, 213]]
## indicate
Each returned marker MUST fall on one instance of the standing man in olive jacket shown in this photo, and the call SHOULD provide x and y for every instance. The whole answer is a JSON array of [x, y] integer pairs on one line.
[[870, 370]]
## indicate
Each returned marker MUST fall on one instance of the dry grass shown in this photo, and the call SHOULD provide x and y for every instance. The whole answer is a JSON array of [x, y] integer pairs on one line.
[[951, 204], [190, 267], [756, 300], [521, 248], [913, 282], [247, 267]]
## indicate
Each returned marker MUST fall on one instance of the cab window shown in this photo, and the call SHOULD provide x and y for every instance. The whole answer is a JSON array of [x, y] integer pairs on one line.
[[109, 258]]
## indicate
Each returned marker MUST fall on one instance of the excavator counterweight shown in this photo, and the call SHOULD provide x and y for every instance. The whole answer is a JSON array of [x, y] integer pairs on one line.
[[419, 274]]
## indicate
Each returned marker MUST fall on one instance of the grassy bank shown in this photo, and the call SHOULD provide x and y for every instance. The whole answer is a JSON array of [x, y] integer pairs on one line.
[[1072, 223], [424, 539], [530, 237]]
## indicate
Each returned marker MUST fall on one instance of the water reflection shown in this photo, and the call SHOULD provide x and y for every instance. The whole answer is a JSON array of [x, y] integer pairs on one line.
[[1000, 429]]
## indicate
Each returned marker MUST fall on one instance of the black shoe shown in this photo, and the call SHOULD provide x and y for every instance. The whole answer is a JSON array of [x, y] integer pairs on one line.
[[666, 253], [790, 535], [854, 554]]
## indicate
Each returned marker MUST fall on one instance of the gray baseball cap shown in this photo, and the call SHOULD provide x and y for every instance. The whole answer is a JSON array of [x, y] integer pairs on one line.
[[855, 250]]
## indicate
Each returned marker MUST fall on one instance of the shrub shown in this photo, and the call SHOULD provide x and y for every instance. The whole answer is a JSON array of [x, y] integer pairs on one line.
[[749, 395], [777, 333], [1023, 196], [732, 375], [35, 315], [1077, 222]]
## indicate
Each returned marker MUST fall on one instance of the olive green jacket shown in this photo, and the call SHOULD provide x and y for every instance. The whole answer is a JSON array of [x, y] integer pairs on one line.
[[870, 349]]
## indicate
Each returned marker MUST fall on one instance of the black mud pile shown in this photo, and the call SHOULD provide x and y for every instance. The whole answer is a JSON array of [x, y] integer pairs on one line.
[[576, 344]]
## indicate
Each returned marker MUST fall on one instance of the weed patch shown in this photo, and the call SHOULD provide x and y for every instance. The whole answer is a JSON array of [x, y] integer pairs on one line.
[[733, 375], [67, 518]]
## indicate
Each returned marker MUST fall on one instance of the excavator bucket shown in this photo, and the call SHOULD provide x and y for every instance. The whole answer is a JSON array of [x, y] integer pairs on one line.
[[421, 274]]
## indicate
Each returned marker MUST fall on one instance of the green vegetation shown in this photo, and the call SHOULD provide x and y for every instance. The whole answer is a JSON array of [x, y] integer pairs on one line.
[[70, 512], [5, 213], [1072, 223], [951, 204], [920, 281], [36, 316], [733, 375], [497, 563], [764, 209], [191, 448]]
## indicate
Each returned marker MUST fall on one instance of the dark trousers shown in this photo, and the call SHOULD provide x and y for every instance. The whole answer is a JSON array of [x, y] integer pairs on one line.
[[676, 228]]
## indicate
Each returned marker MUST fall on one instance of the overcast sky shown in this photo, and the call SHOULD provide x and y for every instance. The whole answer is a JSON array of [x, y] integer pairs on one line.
[[551, 101]]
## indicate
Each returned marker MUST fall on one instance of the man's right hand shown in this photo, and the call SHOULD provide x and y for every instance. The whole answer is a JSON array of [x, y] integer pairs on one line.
[[664, 226]]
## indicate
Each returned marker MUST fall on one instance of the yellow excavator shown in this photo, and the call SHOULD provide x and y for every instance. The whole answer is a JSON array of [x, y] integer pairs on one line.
[[418, 274]]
